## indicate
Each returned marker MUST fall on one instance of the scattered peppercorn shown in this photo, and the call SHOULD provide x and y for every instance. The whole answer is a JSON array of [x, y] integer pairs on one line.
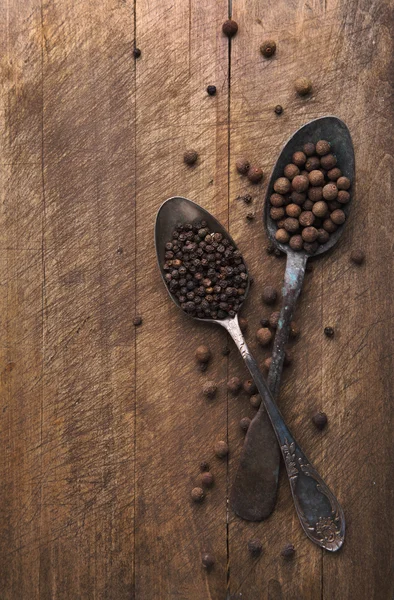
[[243, 324], [137, 321], [197, 494], [247, 198], [294, 330], [209, 389], [136, 52], [320, 420], [204, 272], [267, 363], [255, 401], [203, 354], [190, 157], [250, 387], [288, 359], [211, 90], [204, 466], [264, 336], [309, 149], [225, 351], [278, 109], [329, 332], [251, 215], [203, 367], [255, 174], [269, 295], [268, 48], [243, 166], [244, 423], [264, 322], [288, 551], [230, 28], [234, 385], [357, 256], [255, 547], [207, 479], [303, 86], [207, 560], [221, 449]]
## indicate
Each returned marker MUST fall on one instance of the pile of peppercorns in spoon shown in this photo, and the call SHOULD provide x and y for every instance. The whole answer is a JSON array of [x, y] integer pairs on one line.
[[307, 203], [204, 272]]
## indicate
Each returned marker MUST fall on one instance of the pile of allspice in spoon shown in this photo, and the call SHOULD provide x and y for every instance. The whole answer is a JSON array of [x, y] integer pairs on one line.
[[307, 203], [204, 271]]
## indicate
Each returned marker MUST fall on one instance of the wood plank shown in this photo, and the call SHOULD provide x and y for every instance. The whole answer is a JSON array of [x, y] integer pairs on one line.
[[87, 526], [343, 40], [176, 427]]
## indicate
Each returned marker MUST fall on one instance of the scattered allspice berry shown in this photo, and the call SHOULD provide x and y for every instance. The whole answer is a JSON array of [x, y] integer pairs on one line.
[[255, 401], [207, 479], [255, 547], [221, 449], [225, 351], [137, 321], [203, 354], [288, 551], [329, 332], [323, 147], [320, 420], [207, 560], [203, 367], [278, 109], [209, 389], [190, 157], [250, 387], [136, 52], [303, 86], [234, 385], [197, 494], [357, 257], [204, 466], [244, 423], [230, 28], [267, 363], [263, 336], [242, 165], [211, 90], [269, 295], [255, 174], [243, 323], [274, 319], [268, 48]]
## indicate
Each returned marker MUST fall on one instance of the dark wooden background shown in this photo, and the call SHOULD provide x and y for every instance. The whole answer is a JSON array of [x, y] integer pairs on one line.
[[103, 426]]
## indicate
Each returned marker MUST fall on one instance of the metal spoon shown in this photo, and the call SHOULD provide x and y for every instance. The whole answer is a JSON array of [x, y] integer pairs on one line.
[[320, 513], [248, 502]]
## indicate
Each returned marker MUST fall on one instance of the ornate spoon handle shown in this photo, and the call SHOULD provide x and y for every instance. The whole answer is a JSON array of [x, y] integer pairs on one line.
[[321, 516]]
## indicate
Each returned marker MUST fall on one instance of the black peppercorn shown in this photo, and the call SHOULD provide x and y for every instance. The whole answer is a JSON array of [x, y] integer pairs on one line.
[[225, 351], [190, 157], [357, 256], [206, 479], [244, 423], [255, 547], [329, 332], [209, 389], [320, 420], [137, 321], [278, 109], [269, 295], [136, 52], [211, 90], [288, 551], [207, 560], [204, 466], [250, 387], [197, 494]]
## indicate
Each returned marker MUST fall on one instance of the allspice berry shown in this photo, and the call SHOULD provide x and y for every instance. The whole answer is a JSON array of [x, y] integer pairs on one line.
[[268, 48], [282, 236], [274, 319], [207, 560], [255, 174], [294, 330], [197, 494], [293, 210], [298, 198], [190, 157], [330, 191], [323, 147], [282, 185], [322, 236], [230, 28], [291, 225], [255, 401], [277, 200], [267, 363], [203, 354], [343, 197], [290, 171], [312, 163], [234, 385], [309, 234], [328, 161], [334, 174], [311, 247], [306, 218], [320, 420], [299, 158], [269, 295], [316, 177], [357, 257], [309, 149], [315, 193], [209, 389], [343, 183], [288, 551], [296, 242], [221, 449], [338, 216], [207, 479], [320, 209], [250, 387], [242, 165], [329, 226], [244, 423], [137, 321], [300, 183], [263, 336], [243, 324], [277, 213], [303, 86], [255, 547], [308, 204]]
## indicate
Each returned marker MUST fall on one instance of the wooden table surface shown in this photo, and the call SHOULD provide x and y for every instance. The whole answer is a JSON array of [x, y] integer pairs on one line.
[[103, 425]]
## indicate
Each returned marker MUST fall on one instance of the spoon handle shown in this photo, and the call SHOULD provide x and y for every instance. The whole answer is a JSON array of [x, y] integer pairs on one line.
[[320, 514]]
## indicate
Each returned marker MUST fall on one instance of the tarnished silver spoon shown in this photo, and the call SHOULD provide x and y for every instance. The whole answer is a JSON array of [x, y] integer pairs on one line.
[[320, 513], [250, 502]]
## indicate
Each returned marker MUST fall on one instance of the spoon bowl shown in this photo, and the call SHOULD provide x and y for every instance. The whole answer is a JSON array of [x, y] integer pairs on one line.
[[325, 128]]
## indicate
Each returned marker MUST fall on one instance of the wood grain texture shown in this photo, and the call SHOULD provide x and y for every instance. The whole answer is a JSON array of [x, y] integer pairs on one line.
[[103, 425]]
